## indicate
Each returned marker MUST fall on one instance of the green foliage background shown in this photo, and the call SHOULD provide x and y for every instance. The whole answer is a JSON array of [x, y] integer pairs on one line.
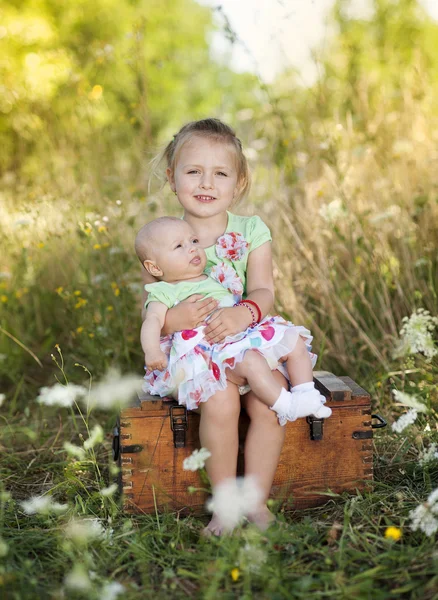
[[345, 174]]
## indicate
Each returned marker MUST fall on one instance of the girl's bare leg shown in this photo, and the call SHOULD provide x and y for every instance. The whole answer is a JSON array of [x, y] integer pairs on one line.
[[263, 445], [218, 432]]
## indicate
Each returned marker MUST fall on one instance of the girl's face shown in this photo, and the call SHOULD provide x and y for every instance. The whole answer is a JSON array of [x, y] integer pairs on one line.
[[205, 177]]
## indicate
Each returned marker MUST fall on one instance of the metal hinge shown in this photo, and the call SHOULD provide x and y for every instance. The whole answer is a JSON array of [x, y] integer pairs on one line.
[[179, 425], [316, 428]]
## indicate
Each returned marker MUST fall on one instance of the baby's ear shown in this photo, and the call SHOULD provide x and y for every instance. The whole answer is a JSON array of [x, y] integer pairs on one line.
[[152, 268]]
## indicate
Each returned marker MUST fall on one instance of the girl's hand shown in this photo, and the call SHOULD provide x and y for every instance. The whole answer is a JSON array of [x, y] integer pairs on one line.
[[189, 314], [156, 361], [227, 321]]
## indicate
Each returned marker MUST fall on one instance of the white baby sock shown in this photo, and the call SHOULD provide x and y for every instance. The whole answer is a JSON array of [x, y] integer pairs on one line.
[[304, 400]]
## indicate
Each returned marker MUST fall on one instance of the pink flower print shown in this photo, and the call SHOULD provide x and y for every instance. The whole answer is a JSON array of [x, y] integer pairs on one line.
[[232, 246], [196, 396], [227, 276], [216, 371]]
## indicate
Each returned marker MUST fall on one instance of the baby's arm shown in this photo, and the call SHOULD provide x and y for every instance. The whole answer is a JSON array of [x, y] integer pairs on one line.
[[150, 336], [188, 314]]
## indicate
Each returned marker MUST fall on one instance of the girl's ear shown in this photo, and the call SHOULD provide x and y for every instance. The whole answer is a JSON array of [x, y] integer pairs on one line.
[[170, 179], [152, 268]]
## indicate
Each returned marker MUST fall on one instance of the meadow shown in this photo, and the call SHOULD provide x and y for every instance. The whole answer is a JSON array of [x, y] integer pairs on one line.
[[344, 174]]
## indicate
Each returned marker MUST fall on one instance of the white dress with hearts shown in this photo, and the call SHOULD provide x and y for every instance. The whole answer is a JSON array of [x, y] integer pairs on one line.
[[196, 369]]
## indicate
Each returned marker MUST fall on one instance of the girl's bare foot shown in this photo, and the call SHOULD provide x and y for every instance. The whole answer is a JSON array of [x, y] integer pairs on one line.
[[262, 518], [213, 528]]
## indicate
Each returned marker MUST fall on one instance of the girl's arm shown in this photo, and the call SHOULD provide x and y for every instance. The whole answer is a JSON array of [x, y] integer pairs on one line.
[[260, 289], [186, 315], [260, 278], [150, 336]]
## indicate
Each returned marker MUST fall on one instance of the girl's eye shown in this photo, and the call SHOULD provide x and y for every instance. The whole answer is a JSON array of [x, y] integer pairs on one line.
[[221, 173], [179, 246], [195, 241], [192, 171]]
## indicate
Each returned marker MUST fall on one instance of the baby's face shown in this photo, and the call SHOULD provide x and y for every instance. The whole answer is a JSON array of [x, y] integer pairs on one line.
[[178, 253]]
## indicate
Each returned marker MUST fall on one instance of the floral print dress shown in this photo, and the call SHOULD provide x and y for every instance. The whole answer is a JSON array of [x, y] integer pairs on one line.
[[196, 369]]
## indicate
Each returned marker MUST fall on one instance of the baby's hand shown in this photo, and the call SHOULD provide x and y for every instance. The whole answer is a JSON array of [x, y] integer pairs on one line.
[[156, 361]]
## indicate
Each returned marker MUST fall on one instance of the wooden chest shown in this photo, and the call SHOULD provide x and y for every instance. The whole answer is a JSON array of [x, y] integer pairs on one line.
[[154, 437]]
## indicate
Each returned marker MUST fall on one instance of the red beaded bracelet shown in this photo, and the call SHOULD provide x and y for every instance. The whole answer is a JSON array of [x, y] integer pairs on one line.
[[256, 306], [254, 320]]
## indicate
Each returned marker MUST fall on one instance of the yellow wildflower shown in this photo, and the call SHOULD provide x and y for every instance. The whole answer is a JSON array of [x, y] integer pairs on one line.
[[59, 290], [101, 228], [77, 292], [96, 92], [116, 292], [91, 335], [4, 298], [235, 573], [110, 308], [79, 329], [40, 245], [80, 303], [393, 533], [97, 246], [114, 285], [3, 285]]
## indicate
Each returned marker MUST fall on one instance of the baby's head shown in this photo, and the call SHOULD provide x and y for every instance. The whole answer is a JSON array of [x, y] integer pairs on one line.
[[204, 134], [169, 250]]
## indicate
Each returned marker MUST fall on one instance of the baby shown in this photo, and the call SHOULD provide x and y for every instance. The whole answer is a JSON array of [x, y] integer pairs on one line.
[[186, 366]]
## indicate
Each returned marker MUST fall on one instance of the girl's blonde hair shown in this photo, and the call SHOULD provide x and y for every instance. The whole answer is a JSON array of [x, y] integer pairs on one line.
[[215, 130]]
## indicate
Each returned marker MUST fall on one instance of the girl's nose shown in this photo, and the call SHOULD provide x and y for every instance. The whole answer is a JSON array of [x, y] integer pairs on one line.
[[206, 182]]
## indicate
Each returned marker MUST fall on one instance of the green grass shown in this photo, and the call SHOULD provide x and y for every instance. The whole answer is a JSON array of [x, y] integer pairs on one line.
[[335, 551]]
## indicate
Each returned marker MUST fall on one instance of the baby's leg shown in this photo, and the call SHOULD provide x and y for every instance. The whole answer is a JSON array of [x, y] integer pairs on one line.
[[289, 406], [263, 445], [218, 432], [255, 370]]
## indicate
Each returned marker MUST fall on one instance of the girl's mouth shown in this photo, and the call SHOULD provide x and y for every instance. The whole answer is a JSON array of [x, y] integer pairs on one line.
[[205, 198], [195, 261]]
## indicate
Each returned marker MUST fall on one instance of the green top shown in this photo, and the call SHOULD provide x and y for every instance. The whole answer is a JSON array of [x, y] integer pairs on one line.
[[172, 293], [253, 230], [255, 233]]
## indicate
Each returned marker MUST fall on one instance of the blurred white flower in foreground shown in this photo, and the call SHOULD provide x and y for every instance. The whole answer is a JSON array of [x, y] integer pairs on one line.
[[78, 579], [110, 591], [86, 530], [425, 516], [416, 335], [333, 211], [110, 490], [96, 437], [429, 455], [235, 498], [2, 398], [407, 400], [61, 395], [405, 420], [4, 548], [196, 460], [42, 505], [115, 391], [74, 450], [252, 558]]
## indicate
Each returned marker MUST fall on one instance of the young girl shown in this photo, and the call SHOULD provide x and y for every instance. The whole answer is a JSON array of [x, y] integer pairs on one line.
[[189, 368], [208, 172]]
